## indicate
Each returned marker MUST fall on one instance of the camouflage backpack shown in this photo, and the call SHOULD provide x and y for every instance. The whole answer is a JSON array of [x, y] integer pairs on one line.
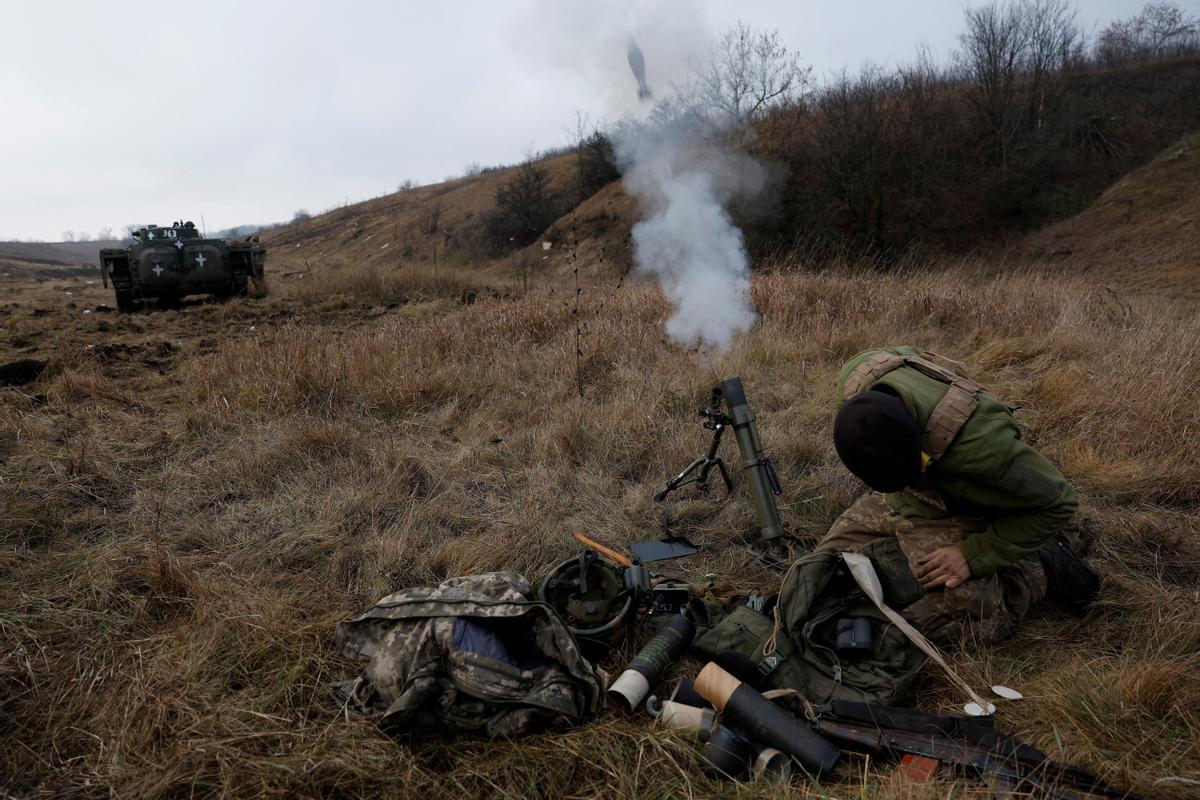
[[472, 654], [793, 646]]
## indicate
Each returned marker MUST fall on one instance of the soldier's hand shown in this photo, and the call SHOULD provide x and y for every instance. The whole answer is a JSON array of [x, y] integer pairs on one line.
[[943, 567]]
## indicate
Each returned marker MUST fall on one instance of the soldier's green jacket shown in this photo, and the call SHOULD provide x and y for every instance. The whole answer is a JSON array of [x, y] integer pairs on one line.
[[987, 472]]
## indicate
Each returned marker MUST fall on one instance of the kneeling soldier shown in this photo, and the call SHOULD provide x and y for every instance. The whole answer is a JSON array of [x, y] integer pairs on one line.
[[977, 512]]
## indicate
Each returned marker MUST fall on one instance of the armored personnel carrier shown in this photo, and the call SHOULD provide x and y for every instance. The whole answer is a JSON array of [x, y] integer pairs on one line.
[[169, 263]]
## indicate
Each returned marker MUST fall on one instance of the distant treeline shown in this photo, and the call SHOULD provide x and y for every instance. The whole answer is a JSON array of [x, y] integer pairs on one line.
[[1028, 122]]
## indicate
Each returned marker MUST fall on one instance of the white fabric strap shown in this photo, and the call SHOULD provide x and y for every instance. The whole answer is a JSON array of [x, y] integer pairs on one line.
[[864, 574]]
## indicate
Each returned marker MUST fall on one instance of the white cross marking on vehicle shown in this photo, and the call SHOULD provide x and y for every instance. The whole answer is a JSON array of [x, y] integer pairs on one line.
[[157, 268], [200, 259], [179, 243], [149, 234]]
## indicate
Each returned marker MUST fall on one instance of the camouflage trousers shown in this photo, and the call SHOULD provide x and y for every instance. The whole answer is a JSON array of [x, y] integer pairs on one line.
[[982, 610]]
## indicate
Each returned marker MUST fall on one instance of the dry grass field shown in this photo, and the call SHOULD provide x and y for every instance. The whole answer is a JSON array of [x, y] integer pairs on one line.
[[190, 499]]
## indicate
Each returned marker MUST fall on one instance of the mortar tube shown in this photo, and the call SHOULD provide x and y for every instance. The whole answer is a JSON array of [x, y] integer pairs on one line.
[[748, 712], [630, 689], [750, 446]]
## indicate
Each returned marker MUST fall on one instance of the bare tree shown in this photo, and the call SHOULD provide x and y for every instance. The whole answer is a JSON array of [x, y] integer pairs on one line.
[[927, 124], [1054, 44], [595, 162], [747, 74], [994, 46], [69, 236], [1117, 44], [855, 153], [1159, 30], [577, 132], [105, 234], [526, 205], [1164, 26]]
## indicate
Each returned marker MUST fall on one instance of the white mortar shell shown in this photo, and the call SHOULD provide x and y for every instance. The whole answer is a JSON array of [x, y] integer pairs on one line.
[[681, 717], [628, 691]]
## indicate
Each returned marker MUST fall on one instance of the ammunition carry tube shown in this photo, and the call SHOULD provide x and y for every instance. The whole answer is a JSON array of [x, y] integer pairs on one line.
[[628, 691], [759, 472], [730, 754], [759, 719], [726, 754]]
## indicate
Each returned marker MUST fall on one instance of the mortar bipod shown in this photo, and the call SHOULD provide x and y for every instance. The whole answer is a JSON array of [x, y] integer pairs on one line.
[[716, 420]]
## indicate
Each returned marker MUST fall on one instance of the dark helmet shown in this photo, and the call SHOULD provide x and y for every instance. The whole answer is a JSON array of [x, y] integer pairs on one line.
[[878, 440], [596, 598]]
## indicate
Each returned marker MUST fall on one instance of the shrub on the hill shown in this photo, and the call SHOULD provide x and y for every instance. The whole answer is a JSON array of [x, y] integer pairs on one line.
[[526, 205], [596, 163]]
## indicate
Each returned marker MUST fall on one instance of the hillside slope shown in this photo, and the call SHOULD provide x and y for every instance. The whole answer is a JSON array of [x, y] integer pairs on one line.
[[420, 225], [1142, 234], [1144, 231]]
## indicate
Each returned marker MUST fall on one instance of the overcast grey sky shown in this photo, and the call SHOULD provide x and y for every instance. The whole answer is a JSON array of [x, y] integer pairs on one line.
[[121, 112]]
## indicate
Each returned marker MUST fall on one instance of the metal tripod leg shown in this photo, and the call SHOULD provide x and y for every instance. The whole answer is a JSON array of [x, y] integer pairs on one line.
[[705, 464]]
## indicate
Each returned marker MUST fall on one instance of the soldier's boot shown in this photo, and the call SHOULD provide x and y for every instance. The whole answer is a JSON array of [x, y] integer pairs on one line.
[[1071, 582], [777, 553]]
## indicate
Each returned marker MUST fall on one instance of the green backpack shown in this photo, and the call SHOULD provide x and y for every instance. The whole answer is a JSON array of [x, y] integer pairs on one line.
[[795, 647]]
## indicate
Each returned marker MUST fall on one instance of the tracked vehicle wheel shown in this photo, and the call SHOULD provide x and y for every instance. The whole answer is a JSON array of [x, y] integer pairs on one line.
[[236, 288], [261, 289]]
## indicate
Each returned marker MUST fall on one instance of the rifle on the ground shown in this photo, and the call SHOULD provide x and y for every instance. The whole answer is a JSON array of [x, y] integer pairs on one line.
[[965, 745]]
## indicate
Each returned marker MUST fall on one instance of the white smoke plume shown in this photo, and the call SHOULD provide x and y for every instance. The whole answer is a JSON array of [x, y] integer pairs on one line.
[[667, 153], [687, 239]]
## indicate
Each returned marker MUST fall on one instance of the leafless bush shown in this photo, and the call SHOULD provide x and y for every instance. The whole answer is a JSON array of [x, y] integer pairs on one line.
[[1159, 30], [595, 163], [526, 205]]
